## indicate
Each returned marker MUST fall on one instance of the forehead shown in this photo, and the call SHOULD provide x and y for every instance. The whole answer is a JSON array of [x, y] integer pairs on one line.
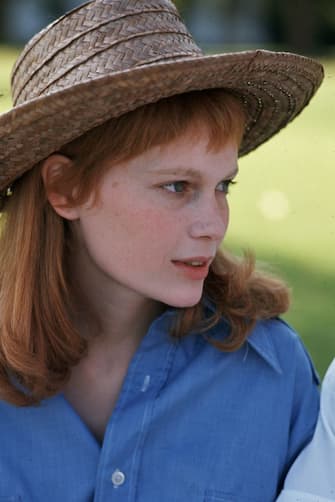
[[189, 155]]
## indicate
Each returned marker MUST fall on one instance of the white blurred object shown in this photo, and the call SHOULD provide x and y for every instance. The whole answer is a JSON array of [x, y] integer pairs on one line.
[[312, 476]]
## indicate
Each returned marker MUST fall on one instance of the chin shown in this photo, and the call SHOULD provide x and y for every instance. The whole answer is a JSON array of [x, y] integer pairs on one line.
[[184, 301]]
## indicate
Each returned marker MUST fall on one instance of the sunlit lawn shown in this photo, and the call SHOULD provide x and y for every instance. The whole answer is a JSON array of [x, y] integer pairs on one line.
[[283, 208], [7, 56]]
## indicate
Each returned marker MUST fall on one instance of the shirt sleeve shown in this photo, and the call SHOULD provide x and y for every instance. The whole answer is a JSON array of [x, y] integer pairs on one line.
[[297, 496], [312, 476]]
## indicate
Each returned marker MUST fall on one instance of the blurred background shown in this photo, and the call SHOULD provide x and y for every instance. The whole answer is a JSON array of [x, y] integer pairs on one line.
[[283, 206], [302, 25]]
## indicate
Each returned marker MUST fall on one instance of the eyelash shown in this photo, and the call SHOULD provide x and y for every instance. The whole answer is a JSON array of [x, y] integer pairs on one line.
[[227, 183]]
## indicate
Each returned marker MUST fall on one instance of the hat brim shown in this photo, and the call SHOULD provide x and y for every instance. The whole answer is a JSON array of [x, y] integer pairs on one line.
[[274, 86]]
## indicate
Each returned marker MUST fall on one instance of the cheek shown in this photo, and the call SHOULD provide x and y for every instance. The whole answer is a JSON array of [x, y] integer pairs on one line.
[[153, 227], [145, 229], [226, 216], [223, 215], [129, 232]]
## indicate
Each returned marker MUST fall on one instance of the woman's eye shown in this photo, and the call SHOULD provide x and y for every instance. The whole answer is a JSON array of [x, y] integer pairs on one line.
[[225, 185], [176, 186]]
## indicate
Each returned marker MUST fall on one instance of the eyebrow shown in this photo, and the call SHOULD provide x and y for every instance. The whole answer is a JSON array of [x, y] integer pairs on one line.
[[193, 173]]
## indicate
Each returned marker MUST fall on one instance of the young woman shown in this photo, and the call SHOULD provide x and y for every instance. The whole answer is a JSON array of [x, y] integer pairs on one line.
[[311, 478], [138, 361]]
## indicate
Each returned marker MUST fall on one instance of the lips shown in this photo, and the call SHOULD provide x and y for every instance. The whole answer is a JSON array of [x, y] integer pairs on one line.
[[195, 268], [194, 261]]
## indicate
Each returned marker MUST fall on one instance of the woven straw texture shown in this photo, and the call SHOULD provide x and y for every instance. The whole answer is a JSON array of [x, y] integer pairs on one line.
[[108, 57]]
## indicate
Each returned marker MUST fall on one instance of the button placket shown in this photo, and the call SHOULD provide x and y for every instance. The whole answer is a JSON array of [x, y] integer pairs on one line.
[[120, 459]]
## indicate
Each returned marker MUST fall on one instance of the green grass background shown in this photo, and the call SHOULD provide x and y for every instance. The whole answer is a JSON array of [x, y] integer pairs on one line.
[[298, 240], [299, 163]]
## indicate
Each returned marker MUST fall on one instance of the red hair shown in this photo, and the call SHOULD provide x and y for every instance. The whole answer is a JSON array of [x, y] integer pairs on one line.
[[38, 341]]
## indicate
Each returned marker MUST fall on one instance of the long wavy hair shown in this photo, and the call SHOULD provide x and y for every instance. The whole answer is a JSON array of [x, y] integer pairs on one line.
[[39, 343]]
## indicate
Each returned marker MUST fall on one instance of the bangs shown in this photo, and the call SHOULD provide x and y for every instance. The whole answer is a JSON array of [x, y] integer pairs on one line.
[[120, 139]]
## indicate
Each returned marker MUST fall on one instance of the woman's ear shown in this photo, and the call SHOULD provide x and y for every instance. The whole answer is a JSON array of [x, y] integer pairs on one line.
[[51, 169]]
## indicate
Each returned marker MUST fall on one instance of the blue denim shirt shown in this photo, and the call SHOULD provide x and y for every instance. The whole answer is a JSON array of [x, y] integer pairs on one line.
[[192, 424]]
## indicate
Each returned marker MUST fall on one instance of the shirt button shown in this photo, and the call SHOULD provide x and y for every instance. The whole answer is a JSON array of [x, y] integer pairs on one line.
[[118, 478]]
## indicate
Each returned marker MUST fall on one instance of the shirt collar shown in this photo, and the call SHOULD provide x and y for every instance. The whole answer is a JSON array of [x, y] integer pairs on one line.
[[259, 339]]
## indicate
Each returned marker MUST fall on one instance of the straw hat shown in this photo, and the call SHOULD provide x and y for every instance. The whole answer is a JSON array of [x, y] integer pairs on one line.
[[108, 57]]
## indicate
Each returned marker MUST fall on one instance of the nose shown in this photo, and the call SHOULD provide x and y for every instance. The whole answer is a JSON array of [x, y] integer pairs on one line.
[[210, 221]]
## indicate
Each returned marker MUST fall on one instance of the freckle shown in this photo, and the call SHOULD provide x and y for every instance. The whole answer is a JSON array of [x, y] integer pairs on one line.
[[115, 184]]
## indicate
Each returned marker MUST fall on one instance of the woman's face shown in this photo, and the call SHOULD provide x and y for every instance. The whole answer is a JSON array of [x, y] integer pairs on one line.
[[160, 220]]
